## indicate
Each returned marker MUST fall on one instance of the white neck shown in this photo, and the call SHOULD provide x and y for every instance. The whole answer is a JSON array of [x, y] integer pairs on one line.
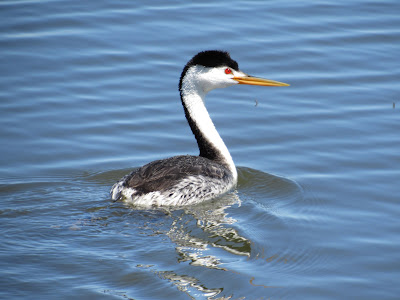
[[193, 96]]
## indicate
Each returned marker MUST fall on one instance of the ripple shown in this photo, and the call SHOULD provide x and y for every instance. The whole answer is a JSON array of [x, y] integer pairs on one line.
[[269, 192], [92, 86]]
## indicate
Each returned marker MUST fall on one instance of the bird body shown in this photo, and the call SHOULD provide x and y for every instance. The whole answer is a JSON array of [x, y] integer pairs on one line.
[[185, 180], [175, 181]]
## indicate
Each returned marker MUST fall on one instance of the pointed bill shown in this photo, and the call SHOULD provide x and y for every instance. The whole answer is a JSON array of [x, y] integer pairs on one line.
[[258, 81]]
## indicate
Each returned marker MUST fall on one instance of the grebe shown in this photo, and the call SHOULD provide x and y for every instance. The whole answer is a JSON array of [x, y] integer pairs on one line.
[[186, 179]]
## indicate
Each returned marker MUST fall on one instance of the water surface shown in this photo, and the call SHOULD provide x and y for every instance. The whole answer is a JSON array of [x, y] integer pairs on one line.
[[88, 91]]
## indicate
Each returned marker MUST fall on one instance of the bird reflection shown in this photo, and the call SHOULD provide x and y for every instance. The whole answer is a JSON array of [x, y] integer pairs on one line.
[[208, 237], [198, 233], [213, 230]]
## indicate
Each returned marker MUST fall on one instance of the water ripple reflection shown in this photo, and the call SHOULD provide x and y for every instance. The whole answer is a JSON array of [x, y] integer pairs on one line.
[[246, 225], [91, 86]]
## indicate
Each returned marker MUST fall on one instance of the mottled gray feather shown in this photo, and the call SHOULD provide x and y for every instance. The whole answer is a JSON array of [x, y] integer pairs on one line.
[[162, 174]]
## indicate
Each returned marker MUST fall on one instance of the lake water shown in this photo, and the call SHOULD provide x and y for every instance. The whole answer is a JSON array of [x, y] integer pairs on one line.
[[88, 92]]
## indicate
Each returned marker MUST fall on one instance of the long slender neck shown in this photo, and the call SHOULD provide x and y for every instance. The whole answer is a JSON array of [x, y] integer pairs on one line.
[[210, 143]]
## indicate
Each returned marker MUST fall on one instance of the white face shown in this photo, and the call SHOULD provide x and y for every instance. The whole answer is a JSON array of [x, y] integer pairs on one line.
[[207, 79]]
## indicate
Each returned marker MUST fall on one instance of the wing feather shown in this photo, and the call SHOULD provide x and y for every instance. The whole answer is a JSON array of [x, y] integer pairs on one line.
[[160, 175]]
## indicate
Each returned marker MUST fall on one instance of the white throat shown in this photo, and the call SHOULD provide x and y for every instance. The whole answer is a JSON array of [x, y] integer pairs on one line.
[[193, 95]]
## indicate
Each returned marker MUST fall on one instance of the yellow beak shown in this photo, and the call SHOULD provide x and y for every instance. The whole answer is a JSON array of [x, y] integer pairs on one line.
[[258, 81]]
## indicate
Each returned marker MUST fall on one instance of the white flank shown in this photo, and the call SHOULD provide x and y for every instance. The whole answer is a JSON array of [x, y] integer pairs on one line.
[[189, 191]]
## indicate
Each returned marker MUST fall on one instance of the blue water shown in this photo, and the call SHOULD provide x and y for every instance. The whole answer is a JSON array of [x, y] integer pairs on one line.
[[88, 91]]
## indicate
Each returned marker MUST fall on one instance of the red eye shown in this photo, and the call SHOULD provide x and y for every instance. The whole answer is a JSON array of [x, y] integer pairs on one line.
[[228, 71]]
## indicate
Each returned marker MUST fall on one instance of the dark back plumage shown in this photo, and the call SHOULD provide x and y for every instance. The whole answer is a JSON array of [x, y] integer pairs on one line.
[[160, 175]]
